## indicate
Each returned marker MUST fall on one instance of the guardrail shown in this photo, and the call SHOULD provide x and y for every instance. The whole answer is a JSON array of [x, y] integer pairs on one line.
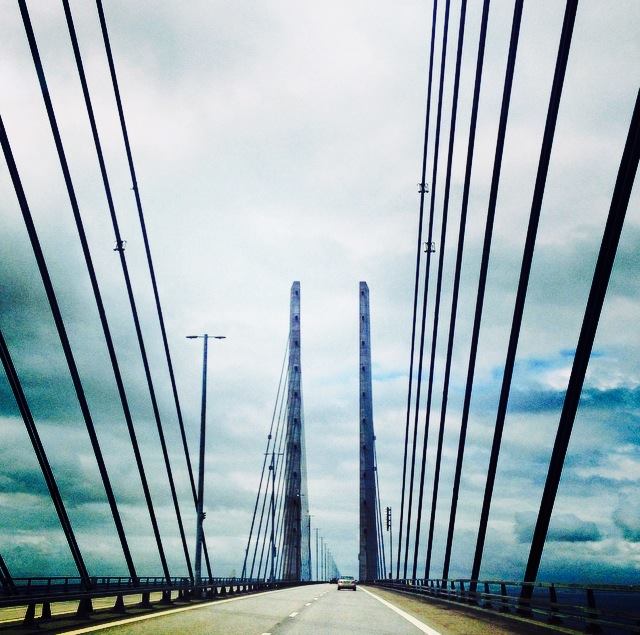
[[608, 609], [46, 591]]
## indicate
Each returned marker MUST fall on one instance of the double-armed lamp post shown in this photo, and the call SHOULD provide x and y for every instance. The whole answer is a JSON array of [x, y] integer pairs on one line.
[[203, 418]]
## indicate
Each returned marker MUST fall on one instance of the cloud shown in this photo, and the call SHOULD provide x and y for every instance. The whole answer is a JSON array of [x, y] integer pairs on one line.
[[563, 528], [543, 400], [627, 517], [283, 142], [621, 465]]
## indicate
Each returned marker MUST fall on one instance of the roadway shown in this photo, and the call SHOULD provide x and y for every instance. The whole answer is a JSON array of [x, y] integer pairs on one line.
[[312, 610]]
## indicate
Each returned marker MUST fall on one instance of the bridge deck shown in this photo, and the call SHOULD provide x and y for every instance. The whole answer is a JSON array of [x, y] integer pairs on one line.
[[309, 609]]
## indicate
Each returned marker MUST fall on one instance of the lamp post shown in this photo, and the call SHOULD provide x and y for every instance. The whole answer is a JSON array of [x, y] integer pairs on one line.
[[272, 469], [390, 530], [317, 561], [324, 561], [309, 517], [203, 414]]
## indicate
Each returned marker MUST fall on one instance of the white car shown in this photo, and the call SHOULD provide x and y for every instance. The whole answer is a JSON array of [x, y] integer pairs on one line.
[[346, 582]]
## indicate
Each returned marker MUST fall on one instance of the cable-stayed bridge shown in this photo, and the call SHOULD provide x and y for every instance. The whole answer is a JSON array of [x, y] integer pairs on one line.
[[285, 528], [280, 586]]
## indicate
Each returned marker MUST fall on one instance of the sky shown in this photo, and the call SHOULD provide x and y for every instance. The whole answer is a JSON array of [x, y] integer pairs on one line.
[[282, 141]]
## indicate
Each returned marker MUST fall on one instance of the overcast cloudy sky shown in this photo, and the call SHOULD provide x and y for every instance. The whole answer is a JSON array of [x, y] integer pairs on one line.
[[280, 141]]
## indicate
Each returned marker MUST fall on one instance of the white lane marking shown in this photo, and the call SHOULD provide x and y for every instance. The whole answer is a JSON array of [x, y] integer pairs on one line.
[[416, 622], [308, 604], [266, 633], [314, 599], [141, 618], [293, 614]]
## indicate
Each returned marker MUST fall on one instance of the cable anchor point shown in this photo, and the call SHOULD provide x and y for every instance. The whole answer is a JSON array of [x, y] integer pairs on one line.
[[423, 188], [429, 247], [120, 245]]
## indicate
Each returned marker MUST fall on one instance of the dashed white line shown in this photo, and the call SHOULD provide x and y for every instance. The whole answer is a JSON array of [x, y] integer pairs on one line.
[[293, 614], [141, 618], [416, 622], [308, 604]]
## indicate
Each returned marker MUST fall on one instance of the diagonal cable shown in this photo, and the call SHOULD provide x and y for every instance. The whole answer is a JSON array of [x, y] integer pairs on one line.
[[47, 472], [5, 577], [154, 284], [277, 441], [280, 504], [284, 521], [264, 462], [423, 191], [112, 211], [604, 265], [436, 152], [87, 255], [484, 265], [434, 337], [527, 258], [381, 552], [425, 440], [94, 283]]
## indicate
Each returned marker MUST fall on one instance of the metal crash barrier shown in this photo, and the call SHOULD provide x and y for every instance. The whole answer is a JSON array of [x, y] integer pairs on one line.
[[592, 608], [46, 591]]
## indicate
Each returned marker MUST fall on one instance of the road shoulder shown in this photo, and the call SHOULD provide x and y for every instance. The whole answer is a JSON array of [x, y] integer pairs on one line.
[[450, 619]]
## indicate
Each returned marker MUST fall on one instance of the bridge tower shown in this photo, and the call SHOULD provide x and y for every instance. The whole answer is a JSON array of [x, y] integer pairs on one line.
[[368, 556], [297, 539]]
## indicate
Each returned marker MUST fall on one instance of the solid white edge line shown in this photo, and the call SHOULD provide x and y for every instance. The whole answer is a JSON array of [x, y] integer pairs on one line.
[[415, 621], [141, 618]]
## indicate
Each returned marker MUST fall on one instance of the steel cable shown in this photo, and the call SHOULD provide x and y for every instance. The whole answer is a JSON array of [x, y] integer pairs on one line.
[[423, 187], [381, 552], [434, 337], [47, 472], [5, 577], [484, 266], [112, 211], [264, 462], [94, 284], [154, 284], [527, 258], [604, 265], [276, 442], [426, 295]]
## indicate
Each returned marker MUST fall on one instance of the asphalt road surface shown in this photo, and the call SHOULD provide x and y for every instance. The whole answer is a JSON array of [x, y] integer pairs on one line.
[[305, 609], [309, 609]]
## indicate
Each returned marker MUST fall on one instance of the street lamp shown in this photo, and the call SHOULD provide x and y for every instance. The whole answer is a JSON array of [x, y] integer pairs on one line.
[[199, 512], [272, 469], [317, 561], [390, 530]]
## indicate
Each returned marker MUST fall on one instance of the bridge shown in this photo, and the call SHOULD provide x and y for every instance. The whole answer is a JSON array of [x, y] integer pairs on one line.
[[491, 486]]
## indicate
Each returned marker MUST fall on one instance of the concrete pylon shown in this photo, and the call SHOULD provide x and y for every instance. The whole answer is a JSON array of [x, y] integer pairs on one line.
[[297, 543], [368, 555]]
